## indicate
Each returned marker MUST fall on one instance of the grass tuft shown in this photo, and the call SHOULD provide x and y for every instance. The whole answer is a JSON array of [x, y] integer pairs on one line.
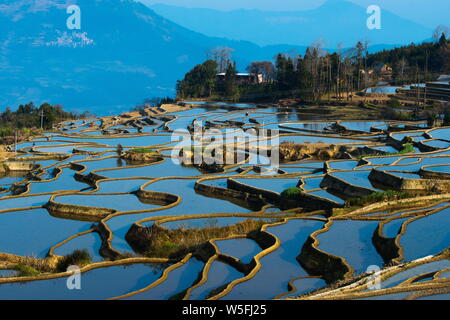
[[292, 193], [407, 148], [78, 258], [378, 197], [177, 243], [24, 270], [143, 150]]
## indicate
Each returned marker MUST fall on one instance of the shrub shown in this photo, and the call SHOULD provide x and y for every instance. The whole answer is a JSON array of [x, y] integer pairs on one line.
[[78, 258], [176, 243], [378, 197], [26, 271], [164, 249], [394, 103], [402, 116], [407, 148], [143, 150], [292, 192], [6, 132]]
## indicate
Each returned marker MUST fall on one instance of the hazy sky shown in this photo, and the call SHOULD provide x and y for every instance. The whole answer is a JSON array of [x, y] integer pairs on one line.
[[427, 12]]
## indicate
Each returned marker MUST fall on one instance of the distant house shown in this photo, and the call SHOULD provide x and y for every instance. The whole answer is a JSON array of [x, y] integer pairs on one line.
[[243, 78], [383, 70]]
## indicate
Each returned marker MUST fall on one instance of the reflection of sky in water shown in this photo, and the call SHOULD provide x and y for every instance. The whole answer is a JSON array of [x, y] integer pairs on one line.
[[349, 239], [219, 274], [35, 231], [417, 241], [357, 178], [279, 266], [179, 280], [96, 284], [352, 240]]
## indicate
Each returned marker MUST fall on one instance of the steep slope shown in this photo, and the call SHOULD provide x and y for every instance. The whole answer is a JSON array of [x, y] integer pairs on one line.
[[123, 53]]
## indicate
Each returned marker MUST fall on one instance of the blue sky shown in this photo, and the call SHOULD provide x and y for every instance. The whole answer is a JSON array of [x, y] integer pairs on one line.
[[427, 12]]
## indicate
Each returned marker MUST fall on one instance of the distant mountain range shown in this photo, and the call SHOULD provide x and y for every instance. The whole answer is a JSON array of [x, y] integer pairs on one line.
[[124, 53], [336, 21]]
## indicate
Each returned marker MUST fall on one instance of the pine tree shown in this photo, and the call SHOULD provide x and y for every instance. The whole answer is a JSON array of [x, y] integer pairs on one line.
[[199, 82], [230, 83], [443, 41]]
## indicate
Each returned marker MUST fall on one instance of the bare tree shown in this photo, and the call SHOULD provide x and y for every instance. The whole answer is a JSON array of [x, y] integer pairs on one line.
[[222, 55], [313, 62], [338, 71], [403, 63], [266, 68], [294, 55], [439, 31], [360, 56], [366, 54], [347, 72]]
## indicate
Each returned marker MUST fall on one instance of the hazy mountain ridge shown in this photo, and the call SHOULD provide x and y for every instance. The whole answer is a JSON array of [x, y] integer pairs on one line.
[[105, 67], [133, 54], [335, 22]]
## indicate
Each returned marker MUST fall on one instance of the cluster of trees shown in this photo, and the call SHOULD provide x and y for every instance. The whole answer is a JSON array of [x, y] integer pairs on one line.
[[200, 82], [28, 117], [309, 76], [416, 62], [230, 86], [318, 75], [265, 68]]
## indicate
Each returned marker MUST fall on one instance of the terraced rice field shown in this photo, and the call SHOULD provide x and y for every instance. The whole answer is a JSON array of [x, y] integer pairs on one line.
[[243, 236]]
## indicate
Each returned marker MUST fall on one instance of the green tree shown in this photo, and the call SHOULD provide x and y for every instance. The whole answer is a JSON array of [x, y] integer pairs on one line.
[[199, 82], [231, 90], [285, 73], [442, 40], [28, 117], [50, 115], [209, 69]]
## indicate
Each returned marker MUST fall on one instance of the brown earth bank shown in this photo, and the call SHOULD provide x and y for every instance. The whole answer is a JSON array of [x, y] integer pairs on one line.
[[156, 241], [133, 156], [4, 154], [290, 151], [151, 111]]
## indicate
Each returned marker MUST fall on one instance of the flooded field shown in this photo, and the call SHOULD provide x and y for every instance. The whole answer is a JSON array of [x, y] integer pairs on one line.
[[161, 228]]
